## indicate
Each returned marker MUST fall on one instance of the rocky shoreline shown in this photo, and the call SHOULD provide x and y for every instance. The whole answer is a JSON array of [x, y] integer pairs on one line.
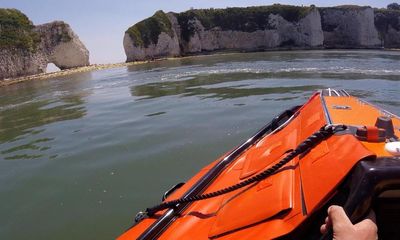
[[42, 76], [95, 67]]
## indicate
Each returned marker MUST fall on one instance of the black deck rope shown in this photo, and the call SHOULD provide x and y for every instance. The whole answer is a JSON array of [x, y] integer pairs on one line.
[[313, 140]]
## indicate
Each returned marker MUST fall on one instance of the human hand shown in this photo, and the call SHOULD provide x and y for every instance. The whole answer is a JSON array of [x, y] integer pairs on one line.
[[343, 229]]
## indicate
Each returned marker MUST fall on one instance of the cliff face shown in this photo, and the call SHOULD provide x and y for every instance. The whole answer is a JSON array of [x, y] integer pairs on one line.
[[140, 43], [62, 46], [277, 32], [388, 24], [261, 28], [249, 29], [26, 49], [349, 27]]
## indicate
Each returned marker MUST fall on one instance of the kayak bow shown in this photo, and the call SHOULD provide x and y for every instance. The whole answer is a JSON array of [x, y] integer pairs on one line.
[[334, 149]]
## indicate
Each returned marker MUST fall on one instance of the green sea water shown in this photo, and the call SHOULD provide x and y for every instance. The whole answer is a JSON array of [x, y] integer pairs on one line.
[[81, 154]]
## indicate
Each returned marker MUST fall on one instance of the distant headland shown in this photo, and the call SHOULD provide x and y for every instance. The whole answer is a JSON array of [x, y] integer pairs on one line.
[[275, 27], [26, 49]]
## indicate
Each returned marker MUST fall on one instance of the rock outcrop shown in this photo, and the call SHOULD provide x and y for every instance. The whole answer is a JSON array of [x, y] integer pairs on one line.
[[26, 49], [277, 33], [139, 45], [62, 46], [387, 23], [349, 27], [248, 29], [261, 28]]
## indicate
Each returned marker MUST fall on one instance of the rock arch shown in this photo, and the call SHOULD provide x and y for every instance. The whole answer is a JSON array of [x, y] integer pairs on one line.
[[53, 42], [62, 46], [51, 67]]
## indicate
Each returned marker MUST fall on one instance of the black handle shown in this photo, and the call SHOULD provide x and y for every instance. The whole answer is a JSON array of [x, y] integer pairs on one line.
[[370, 178], [328, 235]]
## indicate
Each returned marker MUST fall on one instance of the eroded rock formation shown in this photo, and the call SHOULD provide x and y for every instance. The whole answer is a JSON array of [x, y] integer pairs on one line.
[[166, 29], [261, 28], [349, 27], [26, 49], [387, 23], [62, 46], [278, 32]]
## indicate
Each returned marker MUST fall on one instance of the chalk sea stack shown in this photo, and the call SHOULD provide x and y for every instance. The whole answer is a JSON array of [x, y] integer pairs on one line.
[[275, 27], [26, 49]]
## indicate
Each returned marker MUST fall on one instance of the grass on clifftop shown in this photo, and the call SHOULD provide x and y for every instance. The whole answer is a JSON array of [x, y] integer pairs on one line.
[[16, 31], [147, 31], [60, 31], [247, 19]]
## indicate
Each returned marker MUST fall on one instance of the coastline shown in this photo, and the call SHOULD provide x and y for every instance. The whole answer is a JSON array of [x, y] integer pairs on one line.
[[94, 67], [43, 76]]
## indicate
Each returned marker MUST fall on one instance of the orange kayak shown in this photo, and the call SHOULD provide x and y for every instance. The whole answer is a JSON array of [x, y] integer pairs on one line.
[[334, 149]]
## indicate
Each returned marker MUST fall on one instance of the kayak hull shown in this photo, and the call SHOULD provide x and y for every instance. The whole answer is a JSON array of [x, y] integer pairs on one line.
[[282, 204]]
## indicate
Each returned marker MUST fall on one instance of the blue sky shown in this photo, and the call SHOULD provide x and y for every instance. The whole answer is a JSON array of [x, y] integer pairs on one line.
[[101, 24]]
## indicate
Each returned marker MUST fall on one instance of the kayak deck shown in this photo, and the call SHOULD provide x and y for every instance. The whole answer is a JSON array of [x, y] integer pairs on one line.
[[276, 206]]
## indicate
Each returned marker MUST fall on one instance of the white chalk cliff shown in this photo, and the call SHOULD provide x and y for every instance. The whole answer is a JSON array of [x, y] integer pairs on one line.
[[193, 32], [282, 33], [349, 28], [166, 45], [54, 42]]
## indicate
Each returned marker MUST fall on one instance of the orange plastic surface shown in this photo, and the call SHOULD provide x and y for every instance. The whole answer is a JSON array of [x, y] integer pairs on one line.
[[360, 113], [274, 207], [321, 173]]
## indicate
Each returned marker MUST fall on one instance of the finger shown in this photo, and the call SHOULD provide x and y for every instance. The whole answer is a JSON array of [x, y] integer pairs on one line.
[[323, 229], [367, 226], [338, 217], [328, 222]]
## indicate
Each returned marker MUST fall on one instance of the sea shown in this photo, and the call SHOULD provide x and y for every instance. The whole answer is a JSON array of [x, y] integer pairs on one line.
[[81, 154]]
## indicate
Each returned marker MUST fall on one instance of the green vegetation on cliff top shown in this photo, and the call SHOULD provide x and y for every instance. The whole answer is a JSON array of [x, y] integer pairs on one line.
[[60, 32], [16, 31], [247, 19], [146, 32], [241, 19]]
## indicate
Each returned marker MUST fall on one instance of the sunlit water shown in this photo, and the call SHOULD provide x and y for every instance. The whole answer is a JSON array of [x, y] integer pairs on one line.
[[81, 154]]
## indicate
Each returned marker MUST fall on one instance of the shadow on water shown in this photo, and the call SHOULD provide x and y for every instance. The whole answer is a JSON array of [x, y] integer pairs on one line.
[[31, 146], [28, 118], [27, 108], [20, 121], [210, 87]]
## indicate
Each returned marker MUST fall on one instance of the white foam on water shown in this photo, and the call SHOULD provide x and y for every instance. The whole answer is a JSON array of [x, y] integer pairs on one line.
[[321, 70]]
